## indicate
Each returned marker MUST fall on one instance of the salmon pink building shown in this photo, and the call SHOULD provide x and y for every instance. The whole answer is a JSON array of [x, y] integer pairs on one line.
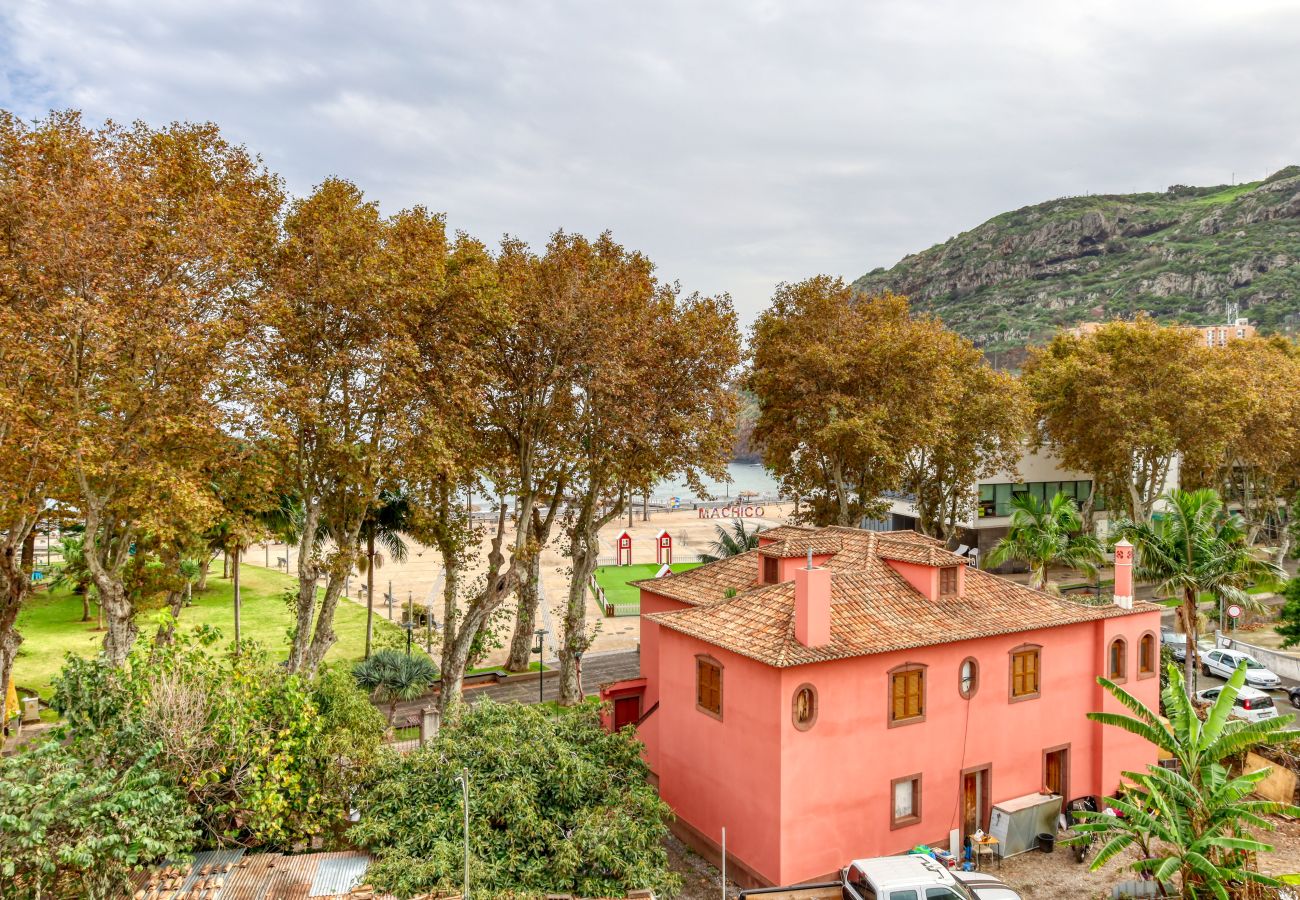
[[839, 693]]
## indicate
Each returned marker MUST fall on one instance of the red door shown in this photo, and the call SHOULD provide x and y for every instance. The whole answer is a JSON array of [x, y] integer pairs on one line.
[[626, 711]]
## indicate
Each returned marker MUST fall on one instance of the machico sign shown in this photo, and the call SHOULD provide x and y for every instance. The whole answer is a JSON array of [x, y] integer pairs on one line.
[[732, 512]]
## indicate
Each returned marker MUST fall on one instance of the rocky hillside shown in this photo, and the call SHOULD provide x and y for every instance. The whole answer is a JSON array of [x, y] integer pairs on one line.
[[1185, 255]]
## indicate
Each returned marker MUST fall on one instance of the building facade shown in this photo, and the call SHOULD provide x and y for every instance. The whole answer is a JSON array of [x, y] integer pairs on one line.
[[840, 693]]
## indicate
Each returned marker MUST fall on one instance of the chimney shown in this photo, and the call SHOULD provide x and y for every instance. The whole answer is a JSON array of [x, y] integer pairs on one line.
[[812, 605], [1124, 574]]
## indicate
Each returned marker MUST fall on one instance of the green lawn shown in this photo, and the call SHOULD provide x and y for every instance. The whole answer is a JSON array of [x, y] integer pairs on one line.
[[614, 579], [51, 627]]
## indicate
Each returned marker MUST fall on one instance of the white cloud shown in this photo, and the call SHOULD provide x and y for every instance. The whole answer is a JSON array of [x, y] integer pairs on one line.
[[737, 143]]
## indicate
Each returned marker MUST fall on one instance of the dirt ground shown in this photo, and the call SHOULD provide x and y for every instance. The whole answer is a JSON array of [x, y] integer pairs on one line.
[[1035, 875]]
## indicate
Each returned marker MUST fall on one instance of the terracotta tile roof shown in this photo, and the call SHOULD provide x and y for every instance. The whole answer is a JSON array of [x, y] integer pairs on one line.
[[785, 532], [873, 608], [707, 583], [820, 543], [710, 583], [914, 552]]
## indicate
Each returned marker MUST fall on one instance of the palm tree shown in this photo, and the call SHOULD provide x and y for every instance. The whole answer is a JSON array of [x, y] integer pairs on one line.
[[391, 676], [384, 526], [1194, 821], [732, 542], [74, 574], [1195, 547], [1044, 534]]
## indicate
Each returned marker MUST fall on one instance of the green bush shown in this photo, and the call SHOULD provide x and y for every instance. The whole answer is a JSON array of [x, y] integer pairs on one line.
[[557, 805], [262, 757], [73, 828]]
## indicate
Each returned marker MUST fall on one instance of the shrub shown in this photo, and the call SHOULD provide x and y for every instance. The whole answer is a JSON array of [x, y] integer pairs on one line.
[[392, 676], [557, 805], [72, 828], [258, 754]]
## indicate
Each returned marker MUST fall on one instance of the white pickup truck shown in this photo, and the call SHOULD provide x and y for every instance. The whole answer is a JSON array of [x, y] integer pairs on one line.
[[895, 878]]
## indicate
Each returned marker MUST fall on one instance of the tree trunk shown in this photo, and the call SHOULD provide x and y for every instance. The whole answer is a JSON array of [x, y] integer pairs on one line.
[[305, 606], [225, 564], [1192, 660], [521, 642], [370, 592], [119, 618], [584, 540], [234, 568], [202, 584], [15, 586], [167, 631], [455, 653], [85, 604]]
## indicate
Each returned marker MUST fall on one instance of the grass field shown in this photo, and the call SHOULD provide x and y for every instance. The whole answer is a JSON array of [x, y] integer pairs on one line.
[[51, 627], [614, 579]]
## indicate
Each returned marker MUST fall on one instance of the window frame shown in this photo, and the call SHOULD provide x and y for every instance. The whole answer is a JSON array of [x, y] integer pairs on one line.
[[1037, 650], [794, 706], [1121, 675], [701, 660], [895, 821], [975, 678], [946, 573], [1155, 655], [905, 669]]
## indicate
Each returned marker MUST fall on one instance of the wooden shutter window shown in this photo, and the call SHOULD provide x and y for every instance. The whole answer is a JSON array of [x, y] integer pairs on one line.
[[948, 581], [1024, 673], [907, 695], [1147, 655], [708, 686], [770, 575], [1117, 660]]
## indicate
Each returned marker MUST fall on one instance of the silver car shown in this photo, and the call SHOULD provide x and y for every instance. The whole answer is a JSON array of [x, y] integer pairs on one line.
[[1224, 662]]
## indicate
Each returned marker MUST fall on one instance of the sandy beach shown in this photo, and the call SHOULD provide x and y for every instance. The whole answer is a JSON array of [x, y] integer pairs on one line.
[[419, 577]]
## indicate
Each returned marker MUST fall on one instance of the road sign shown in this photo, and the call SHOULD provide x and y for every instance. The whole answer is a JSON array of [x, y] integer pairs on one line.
[[1234, 611]]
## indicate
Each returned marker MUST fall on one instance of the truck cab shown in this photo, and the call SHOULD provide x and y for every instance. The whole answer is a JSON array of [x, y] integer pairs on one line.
[[918, 877]]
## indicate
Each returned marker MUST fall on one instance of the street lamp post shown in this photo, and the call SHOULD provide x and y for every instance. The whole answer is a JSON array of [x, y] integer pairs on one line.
[[463, 778], [541, 665]]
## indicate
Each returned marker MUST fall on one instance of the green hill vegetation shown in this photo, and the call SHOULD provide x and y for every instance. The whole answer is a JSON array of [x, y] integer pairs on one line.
[[1189, 254]]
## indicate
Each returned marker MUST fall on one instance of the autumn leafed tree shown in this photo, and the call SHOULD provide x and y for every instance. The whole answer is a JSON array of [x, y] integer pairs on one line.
[[44, 205], [153, 260], [364, 369], [1125, 401], [653, 401], [980, 431], [848, 386]]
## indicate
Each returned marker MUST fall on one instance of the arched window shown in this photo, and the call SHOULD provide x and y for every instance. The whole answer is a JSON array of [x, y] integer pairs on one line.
[[1117, 660], [803, 711], [968, 677], [1148, 655]]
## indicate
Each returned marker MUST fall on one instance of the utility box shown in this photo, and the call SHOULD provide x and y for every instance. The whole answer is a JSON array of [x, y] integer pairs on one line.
[[31, 710], [1018, 823]]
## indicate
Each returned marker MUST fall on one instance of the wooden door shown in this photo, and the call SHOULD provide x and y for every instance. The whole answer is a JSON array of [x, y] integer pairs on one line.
[[974, 800], [1056, 771]]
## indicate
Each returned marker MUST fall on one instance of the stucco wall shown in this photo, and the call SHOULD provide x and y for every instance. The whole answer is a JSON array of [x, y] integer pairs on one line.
[[722, 773], [835, 777]]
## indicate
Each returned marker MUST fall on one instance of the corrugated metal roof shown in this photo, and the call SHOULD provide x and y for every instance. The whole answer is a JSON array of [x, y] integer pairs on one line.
[[339, 875]]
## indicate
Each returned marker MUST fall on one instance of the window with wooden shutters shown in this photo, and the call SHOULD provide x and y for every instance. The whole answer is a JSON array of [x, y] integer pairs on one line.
[[948, 581], [906, 695], [1147, 655], [1117, 660], [708, 686], [770, 575], [1025, 674], [906, 796]]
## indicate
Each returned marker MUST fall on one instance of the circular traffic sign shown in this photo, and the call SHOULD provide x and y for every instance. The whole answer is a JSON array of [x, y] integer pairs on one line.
[[1234, 611]]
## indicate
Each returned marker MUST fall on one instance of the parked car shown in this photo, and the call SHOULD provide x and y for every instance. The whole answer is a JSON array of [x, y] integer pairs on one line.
[[1179, 648], [1293, 693], [1251, 704], [1224, 662], [896, 878]]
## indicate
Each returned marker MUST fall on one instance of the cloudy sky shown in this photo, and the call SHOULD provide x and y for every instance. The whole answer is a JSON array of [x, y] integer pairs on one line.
[[739, 144]]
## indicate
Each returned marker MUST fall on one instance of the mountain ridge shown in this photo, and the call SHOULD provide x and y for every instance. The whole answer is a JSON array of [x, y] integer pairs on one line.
[[1189, 254]]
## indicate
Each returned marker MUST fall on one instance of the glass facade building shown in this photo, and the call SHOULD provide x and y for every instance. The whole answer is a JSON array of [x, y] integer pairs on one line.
[[995, 499]]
